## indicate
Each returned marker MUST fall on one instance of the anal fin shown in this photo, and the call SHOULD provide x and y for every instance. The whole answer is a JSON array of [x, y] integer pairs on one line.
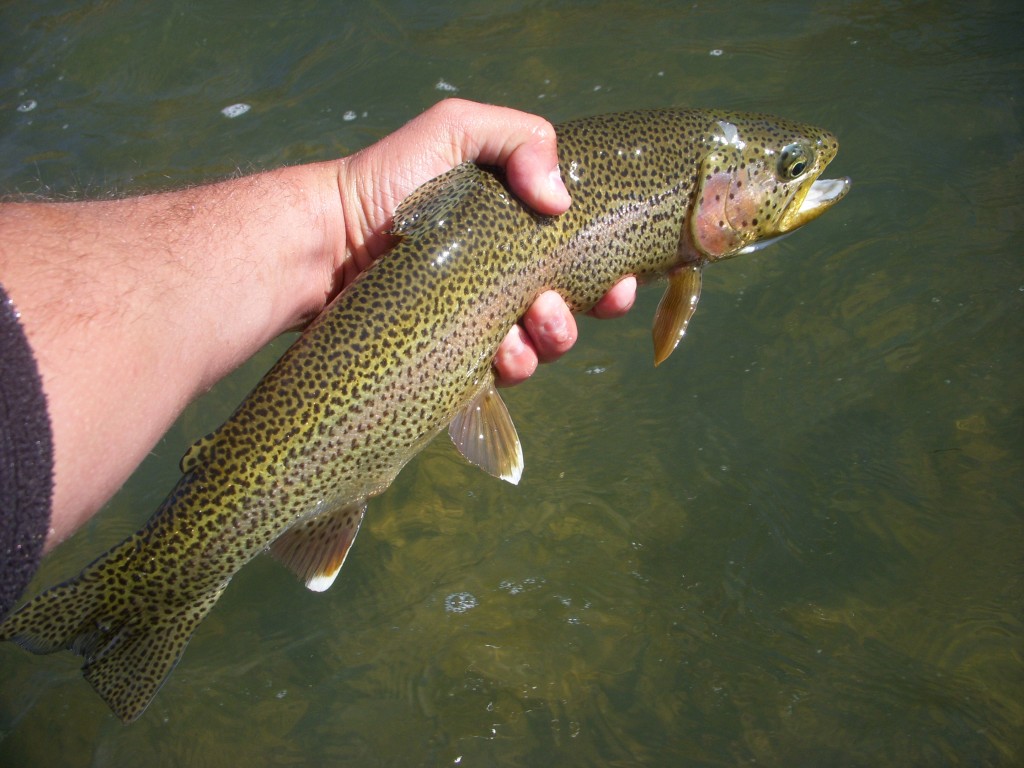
[[485, 435], [315, 549]]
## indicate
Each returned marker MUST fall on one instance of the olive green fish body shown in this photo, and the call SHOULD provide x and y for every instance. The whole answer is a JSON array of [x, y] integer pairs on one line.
[[406, 350]]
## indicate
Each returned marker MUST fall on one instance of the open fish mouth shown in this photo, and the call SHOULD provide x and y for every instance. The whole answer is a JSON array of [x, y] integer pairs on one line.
[[823, 193], [817, 198]]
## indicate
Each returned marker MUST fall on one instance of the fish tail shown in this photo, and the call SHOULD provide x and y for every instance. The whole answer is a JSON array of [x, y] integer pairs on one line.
[[130, 641]]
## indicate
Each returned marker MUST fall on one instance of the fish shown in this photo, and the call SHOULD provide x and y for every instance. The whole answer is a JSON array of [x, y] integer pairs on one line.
[[406, 350]]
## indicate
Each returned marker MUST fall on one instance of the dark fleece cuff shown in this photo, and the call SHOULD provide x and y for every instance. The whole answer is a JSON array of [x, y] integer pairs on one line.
[[26, 459]]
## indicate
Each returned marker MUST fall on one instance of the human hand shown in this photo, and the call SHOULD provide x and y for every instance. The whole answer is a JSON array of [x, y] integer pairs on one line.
[[375, 180]]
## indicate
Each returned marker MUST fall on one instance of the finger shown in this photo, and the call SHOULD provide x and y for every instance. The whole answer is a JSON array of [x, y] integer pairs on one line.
[[533, 174], [375, 180], [524, 144], [551, 326], [516, 360], [618, 301]]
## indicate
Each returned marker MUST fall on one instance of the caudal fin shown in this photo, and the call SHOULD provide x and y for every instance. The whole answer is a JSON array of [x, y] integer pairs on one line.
[[129, 644]]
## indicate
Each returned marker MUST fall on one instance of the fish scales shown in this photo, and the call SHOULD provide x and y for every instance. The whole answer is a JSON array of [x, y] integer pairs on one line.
[[407, 349]]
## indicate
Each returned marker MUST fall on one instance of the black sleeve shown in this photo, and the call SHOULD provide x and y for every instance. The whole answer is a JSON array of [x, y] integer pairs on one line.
[[26, 459]]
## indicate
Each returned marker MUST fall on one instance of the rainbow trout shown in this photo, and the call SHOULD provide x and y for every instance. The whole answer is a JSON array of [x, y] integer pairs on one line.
[[406, 351]]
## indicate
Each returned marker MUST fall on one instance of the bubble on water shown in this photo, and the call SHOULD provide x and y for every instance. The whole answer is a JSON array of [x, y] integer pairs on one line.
[[460, 602], [28, 106], [716, 52], [236, 110], [349, 116], [516, 587], [444, 85]]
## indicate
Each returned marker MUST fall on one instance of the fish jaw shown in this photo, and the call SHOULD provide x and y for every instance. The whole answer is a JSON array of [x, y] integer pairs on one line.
[[815, 199], [760, 180], [819, 197]]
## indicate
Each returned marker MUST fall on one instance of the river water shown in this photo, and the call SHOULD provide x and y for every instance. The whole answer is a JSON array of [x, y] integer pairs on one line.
[[798, 542]]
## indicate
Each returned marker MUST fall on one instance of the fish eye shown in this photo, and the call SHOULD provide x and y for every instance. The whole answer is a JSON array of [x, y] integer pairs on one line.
[[794, 160]]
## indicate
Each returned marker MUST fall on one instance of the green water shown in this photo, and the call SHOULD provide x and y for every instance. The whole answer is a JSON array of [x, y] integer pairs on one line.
[[798, 542]]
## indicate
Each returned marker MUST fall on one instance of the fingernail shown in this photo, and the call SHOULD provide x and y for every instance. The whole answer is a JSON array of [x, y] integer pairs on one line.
[[559, 194]]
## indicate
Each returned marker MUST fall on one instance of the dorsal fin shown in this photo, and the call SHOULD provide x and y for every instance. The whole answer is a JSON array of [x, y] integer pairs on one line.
[[675, 310], [484, 433], [431, 203], [197, 453], [315, 549]]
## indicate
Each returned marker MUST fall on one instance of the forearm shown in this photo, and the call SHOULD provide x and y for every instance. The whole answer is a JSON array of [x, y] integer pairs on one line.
[[135, 306]]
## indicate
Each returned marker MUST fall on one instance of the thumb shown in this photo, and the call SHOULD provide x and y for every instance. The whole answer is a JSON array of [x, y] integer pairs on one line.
[[524, 145]]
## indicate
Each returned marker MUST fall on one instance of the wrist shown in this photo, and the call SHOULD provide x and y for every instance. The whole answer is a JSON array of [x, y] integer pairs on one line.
[[304, 273], [365, 212]]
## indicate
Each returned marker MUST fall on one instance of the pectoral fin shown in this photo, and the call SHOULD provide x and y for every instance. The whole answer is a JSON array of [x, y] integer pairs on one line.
[[675, 310], [316, 549], [484, 433]]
